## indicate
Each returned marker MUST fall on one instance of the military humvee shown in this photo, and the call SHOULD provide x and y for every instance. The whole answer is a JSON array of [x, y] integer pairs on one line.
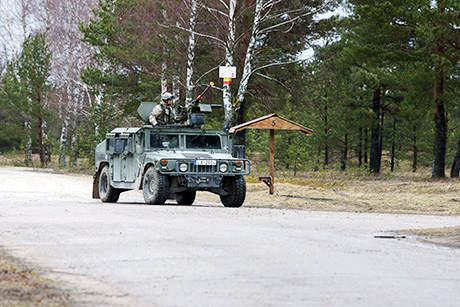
[[172, 161]]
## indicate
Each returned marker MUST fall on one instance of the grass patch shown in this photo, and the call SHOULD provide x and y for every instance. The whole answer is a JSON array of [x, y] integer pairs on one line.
[[17, 160]]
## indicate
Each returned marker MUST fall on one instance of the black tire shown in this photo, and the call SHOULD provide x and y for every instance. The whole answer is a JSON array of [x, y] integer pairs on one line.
[[185, 198], [155, 186], [107, 193], [235, 188]]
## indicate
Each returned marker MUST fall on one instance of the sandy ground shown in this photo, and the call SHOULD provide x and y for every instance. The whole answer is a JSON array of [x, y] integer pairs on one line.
[[48, 219], [399, 196]]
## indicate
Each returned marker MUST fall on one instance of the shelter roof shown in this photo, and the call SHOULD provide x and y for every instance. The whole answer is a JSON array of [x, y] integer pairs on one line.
[[271, 121]]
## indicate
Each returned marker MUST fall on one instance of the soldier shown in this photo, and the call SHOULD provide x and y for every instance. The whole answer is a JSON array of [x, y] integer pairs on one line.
[[162, 114]]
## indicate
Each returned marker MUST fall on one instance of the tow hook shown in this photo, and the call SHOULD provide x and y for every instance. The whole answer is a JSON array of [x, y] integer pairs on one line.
[[202, 180]]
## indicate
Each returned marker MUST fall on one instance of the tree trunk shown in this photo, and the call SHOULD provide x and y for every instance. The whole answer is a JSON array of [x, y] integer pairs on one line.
[[247, 68], [393, 147], [440, 121], [374, 165], [40, 142], [240, 136], [176, 86], [344, 154], [189, 85], [74, 156], [366, 146], [62, 161], [229, 112], [326, 135], [28, 159], [164, 80], [382, 122], [455, 170], [415, 149], [360, 145]]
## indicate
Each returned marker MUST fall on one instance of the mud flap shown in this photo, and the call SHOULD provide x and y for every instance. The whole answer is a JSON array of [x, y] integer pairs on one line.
[[96, 186]]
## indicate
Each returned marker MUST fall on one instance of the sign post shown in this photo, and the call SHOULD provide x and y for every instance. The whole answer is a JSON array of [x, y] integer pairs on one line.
[[227, 73]]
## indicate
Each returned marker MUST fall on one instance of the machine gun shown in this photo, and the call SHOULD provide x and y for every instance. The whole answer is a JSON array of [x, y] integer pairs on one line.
[[191, 112]]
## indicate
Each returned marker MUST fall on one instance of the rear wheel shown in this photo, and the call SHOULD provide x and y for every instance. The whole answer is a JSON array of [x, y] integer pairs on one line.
[[185, 198], [235, 191], [156, 187], [107, 193]]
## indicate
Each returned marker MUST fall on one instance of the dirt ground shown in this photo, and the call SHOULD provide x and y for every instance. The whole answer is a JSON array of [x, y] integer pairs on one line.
[[20, 286]]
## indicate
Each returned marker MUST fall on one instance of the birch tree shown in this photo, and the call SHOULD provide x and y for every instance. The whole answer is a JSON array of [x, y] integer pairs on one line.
[[270, 17], [189, 83], [70, 58], [26, 86]]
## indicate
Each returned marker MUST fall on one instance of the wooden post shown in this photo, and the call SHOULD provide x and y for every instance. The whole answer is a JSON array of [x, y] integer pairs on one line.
[[272, 161]]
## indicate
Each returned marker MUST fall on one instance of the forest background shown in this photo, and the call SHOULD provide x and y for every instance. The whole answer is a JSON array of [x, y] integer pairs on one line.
[[377, 81]]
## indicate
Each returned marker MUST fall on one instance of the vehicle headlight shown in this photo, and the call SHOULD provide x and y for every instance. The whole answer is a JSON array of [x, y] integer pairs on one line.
[[223, 168], [238, 165], [183, 167]]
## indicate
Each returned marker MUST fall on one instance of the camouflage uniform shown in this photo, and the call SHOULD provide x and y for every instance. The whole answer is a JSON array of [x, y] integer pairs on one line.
[[162, 114]]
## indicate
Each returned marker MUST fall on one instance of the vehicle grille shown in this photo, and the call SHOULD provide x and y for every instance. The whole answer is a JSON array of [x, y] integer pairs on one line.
[[202, 168]]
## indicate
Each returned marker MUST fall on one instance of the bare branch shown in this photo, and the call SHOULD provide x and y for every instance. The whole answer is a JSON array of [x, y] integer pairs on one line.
[[268, 29], [196, 33], [209, 71], [274, 64], [273, 79], [214, 10], [224, 4]]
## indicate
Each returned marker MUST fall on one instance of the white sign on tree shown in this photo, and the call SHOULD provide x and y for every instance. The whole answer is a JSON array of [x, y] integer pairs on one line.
[[227, 71]]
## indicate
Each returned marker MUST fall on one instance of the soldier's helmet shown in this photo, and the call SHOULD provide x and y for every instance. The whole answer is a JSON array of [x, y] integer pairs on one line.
[[166, 96]]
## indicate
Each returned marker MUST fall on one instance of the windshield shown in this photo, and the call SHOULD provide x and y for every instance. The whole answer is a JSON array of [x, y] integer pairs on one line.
[[203, 142], [164, 141]]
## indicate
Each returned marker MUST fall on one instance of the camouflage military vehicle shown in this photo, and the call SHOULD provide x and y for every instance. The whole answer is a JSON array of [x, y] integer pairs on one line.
[[167, 162]]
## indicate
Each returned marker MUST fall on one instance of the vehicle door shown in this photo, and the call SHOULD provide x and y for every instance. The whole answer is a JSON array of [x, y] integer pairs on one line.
[[128, 164]]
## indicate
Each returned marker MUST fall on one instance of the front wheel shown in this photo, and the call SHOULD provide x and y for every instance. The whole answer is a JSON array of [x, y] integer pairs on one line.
[[235, 191], [107, 193], [156, 187], [185, 198]]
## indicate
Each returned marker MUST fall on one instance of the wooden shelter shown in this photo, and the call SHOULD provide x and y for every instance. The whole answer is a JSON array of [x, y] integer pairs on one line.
[[271, 122]]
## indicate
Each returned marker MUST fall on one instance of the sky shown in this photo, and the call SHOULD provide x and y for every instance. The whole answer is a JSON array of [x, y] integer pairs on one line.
[[11, 31], [308, 53]]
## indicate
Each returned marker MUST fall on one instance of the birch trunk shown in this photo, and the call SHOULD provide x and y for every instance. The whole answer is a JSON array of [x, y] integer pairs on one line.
[[28, 145], [62, 161], [247, 68], [229, 53], [72, 106], [176, 86], [74, 157], [191, 54], [164, 80]]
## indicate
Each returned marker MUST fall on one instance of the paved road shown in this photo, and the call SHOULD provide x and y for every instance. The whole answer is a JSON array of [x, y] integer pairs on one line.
[[133, 254]]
